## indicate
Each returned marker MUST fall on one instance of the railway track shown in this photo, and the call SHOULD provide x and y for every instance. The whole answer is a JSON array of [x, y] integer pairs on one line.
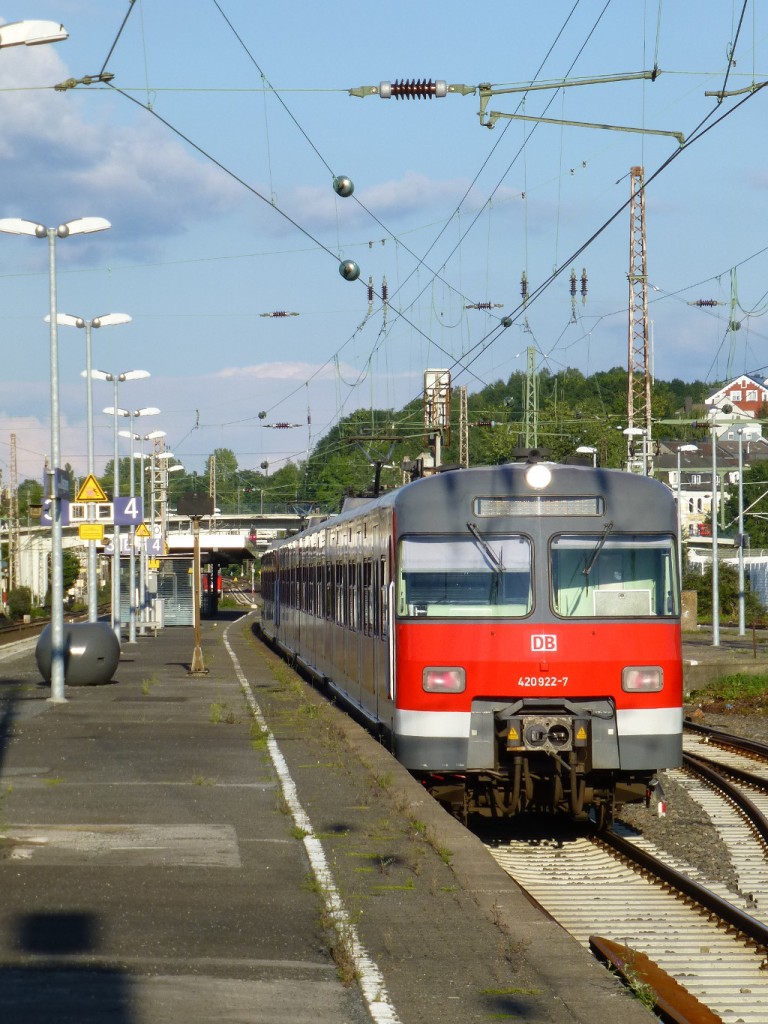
[[620, 888], [642, 908], [13, 632]]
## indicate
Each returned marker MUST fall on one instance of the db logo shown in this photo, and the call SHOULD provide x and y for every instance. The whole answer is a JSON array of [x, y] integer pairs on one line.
[[543, 642]]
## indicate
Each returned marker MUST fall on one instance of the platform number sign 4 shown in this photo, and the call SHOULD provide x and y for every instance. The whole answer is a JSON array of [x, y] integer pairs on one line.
[[129, 511]]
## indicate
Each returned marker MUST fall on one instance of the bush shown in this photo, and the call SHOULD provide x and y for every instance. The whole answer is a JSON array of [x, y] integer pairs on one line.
[[19, 602], [728, 591]]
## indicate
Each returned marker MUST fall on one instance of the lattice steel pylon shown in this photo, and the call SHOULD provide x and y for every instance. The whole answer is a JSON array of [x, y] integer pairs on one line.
[[531, 401], [638, 371], [463, 428]]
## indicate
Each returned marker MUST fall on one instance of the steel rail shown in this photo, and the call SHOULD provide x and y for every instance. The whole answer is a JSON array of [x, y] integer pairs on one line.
[[755, 931], [728, 739]]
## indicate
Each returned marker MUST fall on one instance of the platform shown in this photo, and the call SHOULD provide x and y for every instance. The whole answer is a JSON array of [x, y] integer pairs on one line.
[[230, 846]]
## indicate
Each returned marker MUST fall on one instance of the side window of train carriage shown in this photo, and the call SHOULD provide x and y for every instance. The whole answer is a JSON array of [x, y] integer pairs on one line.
[[473, 576], [607, 575]]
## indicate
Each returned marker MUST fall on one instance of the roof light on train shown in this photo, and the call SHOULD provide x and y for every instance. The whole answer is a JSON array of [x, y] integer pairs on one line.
[[444, 680], [642, 679], [538, 476]]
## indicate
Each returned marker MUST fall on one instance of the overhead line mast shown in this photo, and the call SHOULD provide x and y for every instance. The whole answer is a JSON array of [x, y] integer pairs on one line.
[[638, 373]]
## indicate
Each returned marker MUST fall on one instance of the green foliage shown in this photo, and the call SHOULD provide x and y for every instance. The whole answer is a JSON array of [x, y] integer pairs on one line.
[[369, 446], [755, 496], [70, 567], [728, 591], [19, 602], [734, 689], [573, 410]]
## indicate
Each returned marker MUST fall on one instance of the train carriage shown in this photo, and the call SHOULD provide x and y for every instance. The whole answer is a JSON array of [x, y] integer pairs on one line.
[[512, 631]]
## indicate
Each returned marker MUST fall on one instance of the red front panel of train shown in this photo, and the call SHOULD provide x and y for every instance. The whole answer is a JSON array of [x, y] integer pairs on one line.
[[520, 661]]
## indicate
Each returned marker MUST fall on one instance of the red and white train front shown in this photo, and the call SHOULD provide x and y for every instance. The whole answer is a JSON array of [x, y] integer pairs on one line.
[[537, 637]]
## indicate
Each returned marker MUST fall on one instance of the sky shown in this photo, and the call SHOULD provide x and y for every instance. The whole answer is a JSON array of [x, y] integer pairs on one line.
[[213, 151]]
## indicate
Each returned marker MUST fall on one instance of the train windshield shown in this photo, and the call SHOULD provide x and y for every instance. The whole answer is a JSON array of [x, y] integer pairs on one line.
[[613, 575], [464, 577]]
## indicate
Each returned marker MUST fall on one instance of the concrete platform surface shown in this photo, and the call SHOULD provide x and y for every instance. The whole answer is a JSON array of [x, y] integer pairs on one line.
[[229, 846]]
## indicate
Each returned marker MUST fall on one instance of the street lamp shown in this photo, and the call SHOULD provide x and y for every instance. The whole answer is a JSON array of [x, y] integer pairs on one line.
[[715, 559], [132, 414], [151, 436], [32, 33], [631, 432], [588, 449], [116, 379], [106, 320], [742, 610], [58, 487], [682, 448], [160, 484]]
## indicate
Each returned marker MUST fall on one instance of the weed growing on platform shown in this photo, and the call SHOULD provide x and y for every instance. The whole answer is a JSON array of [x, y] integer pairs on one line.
[[222, 712], [644, 992], [147, 683], [3, 821], [427, 835], [259, 736], [202, 780]]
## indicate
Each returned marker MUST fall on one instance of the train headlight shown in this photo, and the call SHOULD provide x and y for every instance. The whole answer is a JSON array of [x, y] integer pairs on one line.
[[538, 476], [642, 679], [444, 680]]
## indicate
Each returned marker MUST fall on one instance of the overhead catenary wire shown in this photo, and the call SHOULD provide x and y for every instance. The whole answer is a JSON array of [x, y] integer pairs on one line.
[[488, 337]]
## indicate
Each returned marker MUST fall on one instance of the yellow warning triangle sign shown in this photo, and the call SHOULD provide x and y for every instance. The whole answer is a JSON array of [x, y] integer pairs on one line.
[[91, 490], [142, 530]]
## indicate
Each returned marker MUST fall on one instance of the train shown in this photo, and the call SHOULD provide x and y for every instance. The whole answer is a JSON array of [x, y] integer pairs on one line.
[[511, 632]]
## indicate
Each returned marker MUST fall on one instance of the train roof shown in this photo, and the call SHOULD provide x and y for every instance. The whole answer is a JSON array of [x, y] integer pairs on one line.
[[435, 501]]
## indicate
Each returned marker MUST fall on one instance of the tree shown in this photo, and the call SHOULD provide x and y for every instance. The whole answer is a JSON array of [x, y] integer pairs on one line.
[[19, 602], [755, 497], [728, 593]]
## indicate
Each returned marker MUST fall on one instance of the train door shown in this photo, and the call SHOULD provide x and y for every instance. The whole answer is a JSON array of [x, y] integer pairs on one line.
[[356, 637], [374, 666], [366, 644]]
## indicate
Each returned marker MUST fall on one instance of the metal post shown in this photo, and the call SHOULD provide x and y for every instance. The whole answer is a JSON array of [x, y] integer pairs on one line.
[[93, 587], [57, 563], [742, 595], [198, 664], [679, 525], [142, 557], [132, 554], [715, 562], [116, 540]]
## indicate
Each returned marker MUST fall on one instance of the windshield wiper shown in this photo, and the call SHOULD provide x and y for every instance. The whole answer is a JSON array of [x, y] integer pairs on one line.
[[492, 556], [597, 549]]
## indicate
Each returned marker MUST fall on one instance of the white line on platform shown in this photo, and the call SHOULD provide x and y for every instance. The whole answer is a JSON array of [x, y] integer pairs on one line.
[[370, 977]]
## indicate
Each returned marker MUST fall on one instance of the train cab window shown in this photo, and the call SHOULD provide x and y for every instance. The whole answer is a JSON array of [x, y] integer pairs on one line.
[[607, 575], [461, 577]]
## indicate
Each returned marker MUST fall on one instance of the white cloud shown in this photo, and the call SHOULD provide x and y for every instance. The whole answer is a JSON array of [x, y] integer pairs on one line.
[[294, 371]]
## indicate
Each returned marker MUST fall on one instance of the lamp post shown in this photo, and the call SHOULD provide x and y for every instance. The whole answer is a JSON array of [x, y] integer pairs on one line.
[[742, 609], [106, 320], [588, 449], [715, 561], [682, 448], [632, 432], [115, 379], [56, 490], [132, 601], [31, 33], [143, 548], [158, 471]]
